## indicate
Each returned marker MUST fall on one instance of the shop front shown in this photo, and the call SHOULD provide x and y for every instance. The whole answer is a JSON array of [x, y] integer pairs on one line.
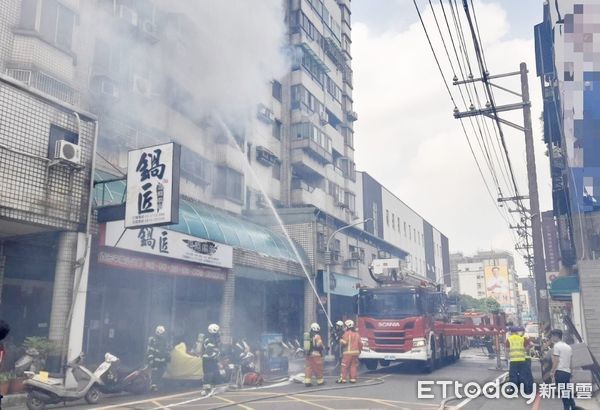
[[343, 290], [148, 277]]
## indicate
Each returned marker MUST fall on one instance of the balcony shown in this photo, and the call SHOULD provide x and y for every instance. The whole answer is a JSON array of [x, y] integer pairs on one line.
[[46, 84], [309, 146], [306, 167]]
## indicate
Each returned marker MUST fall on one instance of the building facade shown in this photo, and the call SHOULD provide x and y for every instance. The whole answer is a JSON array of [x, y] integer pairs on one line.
[[490, 274], [390, 219], [567, 51]]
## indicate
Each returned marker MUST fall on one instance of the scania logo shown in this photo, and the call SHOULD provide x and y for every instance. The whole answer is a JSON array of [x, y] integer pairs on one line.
[[388, 324]]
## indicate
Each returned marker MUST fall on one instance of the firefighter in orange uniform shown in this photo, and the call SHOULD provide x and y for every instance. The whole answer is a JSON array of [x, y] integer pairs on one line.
[[314, 356], [351, 347]]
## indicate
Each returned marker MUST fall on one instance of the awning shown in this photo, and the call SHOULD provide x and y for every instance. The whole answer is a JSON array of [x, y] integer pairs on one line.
[[563, 286], [206, 222]]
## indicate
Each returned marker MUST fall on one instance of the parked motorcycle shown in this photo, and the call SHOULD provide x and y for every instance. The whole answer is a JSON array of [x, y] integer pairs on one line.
[[117, 379], [42, 391]]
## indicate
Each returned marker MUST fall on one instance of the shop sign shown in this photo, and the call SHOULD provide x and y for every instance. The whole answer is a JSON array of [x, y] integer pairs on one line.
[[341, 284], [163, 242], [153, 186], [117, 259]]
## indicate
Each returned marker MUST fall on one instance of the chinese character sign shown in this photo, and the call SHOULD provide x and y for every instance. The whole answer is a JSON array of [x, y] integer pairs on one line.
[[153, 186]]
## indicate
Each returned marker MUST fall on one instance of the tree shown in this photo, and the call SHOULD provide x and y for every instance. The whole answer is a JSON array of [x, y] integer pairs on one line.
[[466, 303]]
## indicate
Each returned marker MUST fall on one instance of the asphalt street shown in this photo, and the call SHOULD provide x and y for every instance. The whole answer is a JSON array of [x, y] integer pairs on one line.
[[390, 387]]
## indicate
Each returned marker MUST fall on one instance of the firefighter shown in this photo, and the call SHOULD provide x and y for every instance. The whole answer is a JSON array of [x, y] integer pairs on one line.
[[351, 347], [336, 335], [157, 355], [313, 346], [210, 358], [519, 370]]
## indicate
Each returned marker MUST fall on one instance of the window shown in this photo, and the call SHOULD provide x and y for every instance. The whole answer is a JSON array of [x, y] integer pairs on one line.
[[194, 167], [228, 184], [398, 224], [409, 232], [415, 234], [56, 134], [55, 23], [276, 90], [350, 200], [393, 221], [387, 217], [405, 229], [277, 129]]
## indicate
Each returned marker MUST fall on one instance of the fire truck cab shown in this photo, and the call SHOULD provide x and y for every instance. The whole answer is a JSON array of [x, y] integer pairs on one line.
[[403, 319]]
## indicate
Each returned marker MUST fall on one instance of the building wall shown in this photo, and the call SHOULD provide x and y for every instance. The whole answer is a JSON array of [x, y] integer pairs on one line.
[[471, 279]]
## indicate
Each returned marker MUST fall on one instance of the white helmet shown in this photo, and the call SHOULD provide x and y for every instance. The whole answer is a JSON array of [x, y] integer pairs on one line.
[[339, 323], [213, 328], [349, 324], [159, 330], [315, 327]]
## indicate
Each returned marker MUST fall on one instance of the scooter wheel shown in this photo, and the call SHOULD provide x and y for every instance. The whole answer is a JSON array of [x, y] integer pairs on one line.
[[93, 395], [35, 403]]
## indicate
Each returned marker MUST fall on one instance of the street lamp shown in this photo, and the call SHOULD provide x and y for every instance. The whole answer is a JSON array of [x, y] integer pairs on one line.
[[328, 253]]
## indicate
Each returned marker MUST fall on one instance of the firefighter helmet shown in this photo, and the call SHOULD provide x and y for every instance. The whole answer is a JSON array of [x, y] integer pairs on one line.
[[349, 324], [315, 327], [339, 323], [213, 328], [159, 330]]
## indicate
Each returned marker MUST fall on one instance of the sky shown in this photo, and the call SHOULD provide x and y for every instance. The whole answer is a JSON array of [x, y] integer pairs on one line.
[[406, 136]]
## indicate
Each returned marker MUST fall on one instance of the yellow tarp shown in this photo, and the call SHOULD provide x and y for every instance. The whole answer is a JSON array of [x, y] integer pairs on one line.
[[183, 365]]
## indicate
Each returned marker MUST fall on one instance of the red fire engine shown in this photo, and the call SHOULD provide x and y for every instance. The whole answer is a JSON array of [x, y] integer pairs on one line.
[[406, 318]]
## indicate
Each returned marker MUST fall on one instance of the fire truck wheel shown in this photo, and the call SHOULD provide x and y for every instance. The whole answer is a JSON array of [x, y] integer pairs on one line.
[[431, 363], [371, 364]]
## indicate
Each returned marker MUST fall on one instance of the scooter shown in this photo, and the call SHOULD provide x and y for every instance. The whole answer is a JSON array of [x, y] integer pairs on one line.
[[117, 380], [52, 390]]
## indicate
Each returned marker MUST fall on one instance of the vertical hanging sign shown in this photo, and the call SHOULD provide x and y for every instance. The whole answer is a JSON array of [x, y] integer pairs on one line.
[[153, 186]]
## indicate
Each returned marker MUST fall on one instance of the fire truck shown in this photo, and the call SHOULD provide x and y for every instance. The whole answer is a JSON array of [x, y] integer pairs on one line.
[[406, 318]]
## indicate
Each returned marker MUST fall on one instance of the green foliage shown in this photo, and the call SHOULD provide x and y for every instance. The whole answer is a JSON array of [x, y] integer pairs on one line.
[[41, 344], [468, 303]]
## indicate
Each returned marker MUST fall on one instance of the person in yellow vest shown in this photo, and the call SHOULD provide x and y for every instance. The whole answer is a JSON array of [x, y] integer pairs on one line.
[[519, 369]]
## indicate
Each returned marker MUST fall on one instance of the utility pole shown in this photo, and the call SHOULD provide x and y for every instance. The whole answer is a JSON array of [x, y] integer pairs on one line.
[[539, 268], [536, 261]]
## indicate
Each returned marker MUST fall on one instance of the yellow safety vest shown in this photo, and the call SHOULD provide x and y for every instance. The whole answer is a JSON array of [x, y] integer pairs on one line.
[[517, 348]]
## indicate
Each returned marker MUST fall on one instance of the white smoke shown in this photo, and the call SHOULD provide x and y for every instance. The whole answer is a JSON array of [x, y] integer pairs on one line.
[[231, 50]]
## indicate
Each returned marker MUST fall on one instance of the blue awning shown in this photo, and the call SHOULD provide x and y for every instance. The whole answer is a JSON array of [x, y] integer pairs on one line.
[[563, 286], [207, 222]]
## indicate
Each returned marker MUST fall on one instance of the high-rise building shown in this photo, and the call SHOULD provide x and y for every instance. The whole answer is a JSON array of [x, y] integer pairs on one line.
[[567, 52]]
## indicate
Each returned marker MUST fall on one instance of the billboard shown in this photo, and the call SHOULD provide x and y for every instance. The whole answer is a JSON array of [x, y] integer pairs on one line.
[[496, 284], [153, 186]]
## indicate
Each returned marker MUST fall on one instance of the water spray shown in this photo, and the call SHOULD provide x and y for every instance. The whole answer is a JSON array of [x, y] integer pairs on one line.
[[274, 211]]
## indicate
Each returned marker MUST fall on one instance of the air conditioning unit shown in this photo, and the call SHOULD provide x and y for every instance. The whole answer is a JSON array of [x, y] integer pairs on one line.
[[128, 15], [265, 114], [141, 86], [355, 255], [109, 88], [68, 152], [149, 27]]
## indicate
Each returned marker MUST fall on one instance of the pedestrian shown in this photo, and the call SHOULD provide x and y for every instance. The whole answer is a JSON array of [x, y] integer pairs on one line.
[[157, 356], [561, 367], [519, 370], [313, 347], [351, 347], [210, 358]]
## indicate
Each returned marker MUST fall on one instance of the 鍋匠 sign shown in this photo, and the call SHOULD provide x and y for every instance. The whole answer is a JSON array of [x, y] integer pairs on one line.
[[153, 186]]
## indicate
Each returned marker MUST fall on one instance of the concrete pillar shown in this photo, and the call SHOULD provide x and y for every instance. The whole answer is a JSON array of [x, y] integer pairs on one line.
[[63, 290], [76, 332], [227, 306], [310, 304]]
